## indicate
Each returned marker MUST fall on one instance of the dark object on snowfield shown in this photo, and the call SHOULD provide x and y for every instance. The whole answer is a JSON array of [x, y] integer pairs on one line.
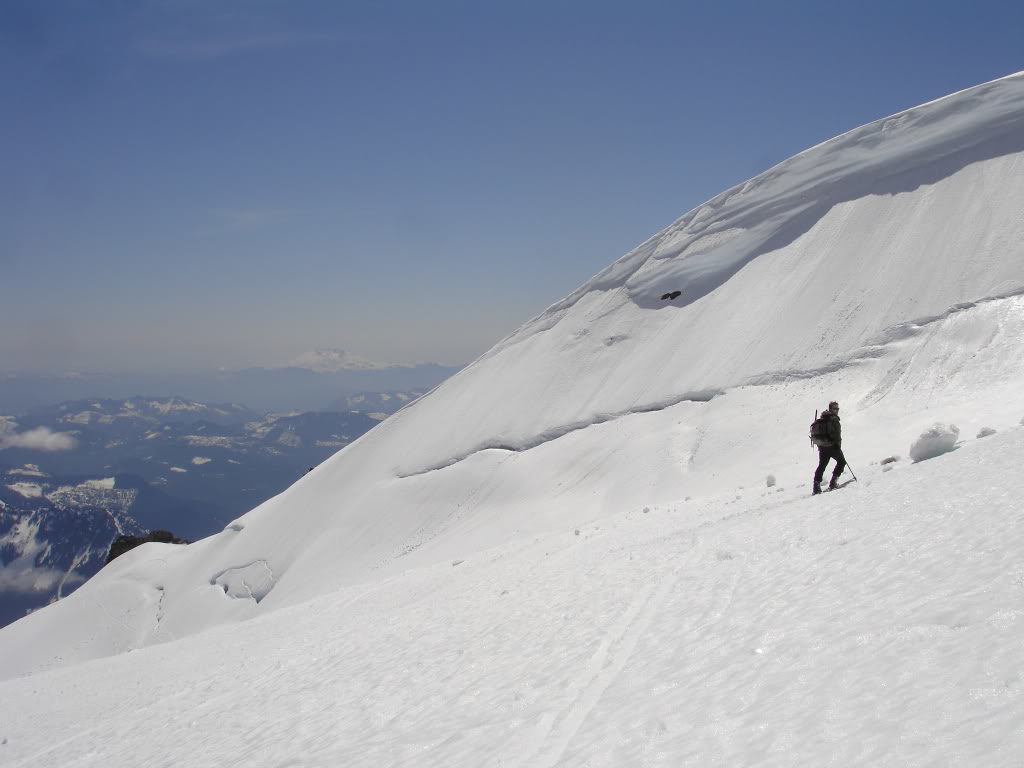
[[123, 544], [889, 460], [670, 296], [826, 433]]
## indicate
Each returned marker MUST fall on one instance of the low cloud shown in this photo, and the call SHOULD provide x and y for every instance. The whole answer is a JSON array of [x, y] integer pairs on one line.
[[27, 581], [38, 439]]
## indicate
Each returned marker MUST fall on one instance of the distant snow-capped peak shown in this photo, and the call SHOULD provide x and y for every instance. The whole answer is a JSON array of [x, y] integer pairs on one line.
[[331, 360]]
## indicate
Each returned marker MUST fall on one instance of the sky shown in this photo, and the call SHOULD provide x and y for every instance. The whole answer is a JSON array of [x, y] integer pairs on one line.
[[188, 185]]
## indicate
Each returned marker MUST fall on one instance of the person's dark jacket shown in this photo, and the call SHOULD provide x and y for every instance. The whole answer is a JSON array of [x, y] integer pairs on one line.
[[835, 429]]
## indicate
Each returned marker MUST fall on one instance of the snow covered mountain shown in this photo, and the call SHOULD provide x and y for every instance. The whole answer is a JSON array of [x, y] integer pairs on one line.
[[595, 545], [55, 533], [377, 405]]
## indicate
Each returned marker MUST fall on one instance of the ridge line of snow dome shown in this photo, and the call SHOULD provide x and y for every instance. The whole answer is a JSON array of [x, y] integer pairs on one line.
[[706, 246]]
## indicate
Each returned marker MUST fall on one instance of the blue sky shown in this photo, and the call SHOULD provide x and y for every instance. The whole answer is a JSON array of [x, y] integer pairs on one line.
[[187, 185]]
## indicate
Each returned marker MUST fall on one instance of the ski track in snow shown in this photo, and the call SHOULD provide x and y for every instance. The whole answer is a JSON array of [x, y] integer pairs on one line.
[[556, 729]]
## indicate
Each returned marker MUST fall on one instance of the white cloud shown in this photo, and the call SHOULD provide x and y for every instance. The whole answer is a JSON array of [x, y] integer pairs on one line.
[[28, 580], [38, 439]]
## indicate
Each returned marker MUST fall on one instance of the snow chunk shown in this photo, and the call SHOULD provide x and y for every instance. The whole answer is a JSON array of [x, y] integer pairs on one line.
[[253, 581], [770, 481], [938, 439]]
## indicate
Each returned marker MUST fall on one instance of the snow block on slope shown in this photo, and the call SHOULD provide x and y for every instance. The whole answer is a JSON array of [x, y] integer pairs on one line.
[[253, 581], [936, 440]]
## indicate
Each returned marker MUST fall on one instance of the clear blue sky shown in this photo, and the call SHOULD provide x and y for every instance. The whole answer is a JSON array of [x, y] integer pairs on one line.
[[188, 184]]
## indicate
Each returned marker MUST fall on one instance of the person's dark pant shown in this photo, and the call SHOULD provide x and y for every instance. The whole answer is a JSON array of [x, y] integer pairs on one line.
[[824, 456]]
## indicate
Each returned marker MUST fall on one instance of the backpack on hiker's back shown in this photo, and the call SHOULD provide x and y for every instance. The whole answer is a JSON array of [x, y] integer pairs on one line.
[[819, 430]]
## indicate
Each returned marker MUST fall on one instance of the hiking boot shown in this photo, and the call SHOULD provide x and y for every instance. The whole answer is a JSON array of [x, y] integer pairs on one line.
[[833, 485], [817, 489]]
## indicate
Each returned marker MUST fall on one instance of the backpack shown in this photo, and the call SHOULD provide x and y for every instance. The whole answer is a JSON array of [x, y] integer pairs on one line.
[[819, 430]]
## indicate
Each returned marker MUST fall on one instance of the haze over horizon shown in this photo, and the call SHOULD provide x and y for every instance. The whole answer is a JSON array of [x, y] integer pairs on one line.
[[194, 187]]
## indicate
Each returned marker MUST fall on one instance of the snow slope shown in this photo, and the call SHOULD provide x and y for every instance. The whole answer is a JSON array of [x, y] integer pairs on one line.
[[457, 617], [879, 625]]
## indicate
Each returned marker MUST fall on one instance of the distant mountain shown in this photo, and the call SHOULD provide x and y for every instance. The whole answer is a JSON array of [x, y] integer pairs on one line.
[[332, 360], [293, 388], [226, 456], [139, 464], [378, 405], [55, 533], [106, 413]]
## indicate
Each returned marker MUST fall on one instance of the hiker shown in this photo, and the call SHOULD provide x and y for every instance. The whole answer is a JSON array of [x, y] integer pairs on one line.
[[830, 446]]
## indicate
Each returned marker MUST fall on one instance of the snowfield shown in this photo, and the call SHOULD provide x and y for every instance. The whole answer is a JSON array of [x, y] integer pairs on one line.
[[596, 545], [878, 625]]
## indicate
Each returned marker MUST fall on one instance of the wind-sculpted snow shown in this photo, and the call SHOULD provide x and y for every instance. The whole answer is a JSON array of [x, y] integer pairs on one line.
[[883, 269], [897, 154], [561, 431], [877, 346], [250, 582]]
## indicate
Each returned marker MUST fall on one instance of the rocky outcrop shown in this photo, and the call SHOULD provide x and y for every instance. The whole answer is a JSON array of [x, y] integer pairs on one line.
[[122, 544]]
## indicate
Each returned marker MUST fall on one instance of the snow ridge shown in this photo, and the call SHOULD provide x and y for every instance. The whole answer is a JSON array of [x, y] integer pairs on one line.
[[711, 243]]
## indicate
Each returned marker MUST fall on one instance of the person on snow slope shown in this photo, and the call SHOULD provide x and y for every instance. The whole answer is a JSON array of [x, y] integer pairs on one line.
[[830, 448]]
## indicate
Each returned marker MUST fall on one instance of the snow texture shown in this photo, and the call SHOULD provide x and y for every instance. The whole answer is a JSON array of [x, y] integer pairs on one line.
[[552, 560], [934, 441]]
